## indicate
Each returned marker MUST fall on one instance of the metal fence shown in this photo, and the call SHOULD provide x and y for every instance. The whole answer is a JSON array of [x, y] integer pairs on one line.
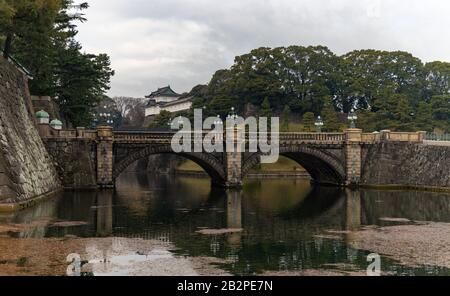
[[437, 137]]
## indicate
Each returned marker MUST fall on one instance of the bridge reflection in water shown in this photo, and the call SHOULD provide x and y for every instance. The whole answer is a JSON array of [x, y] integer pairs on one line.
[[282, 220]]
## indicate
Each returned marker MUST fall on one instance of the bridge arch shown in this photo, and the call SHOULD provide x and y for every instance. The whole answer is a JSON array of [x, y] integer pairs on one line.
[[323, 166], [211, 164]]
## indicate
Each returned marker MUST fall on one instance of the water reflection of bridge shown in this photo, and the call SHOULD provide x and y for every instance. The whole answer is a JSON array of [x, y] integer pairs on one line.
[[349, 201]]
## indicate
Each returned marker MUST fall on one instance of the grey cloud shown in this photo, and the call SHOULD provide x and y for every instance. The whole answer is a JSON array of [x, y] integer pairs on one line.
[[183, 42]]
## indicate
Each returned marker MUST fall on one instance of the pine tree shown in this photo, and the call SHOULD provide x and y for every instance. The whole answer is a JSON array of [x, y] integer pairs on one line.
[[308, 122], [330, 118], [162, 120], [424, 117], [285, 118], [266, 110], [441, 111], [40, 34], [402, 113]]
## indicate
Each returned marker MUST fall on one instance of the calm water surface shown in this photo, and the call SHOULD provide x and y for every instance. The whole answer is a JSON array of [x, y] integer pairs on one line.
[[282, 220]]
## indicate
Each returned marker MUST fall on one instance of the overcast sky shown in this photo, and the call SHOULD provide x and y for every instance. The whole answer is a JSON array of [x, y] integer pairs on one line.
[[153, 43]]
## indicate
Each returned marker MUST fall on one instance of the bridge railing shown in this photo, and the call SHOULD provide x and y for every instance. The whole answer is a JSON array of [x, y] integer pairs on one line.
[[437, 137], [295, 137], [404, 137], [79, 133], [312, 137], [387, 135], [67, 134], [370, 137]]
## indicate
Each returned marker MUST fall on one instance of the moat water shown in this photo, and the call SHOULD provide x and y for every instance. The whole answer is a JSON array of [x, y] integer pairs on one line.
[[271, 226]]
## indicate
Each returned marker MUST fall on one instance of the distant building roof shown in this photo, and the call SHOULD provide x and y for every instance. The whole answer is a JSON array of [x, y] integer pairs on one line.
[[163, 92], [188, 99], [153, 103]]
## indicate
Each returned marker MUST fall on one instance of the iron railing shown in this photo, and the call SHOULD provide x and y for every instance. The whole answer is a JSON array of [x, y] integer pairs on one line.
[[437, 137]]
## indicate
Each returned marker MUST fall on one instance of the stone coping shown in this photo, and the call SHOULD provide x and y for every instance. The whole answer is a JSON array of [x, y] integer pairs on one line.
[[19, 206]]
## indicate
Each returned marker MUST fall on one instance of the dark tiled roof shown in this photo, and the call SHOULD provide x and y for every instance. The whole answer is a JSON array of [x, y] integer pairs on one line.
[[178, 101], [152, 102], [163, 91]]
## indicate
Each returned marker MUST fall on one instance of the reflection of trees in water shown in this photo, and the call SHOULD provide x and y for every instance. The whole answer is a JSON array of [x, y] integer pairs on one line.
[[279, 217], [414, 205], [277, 195], [67, 206]]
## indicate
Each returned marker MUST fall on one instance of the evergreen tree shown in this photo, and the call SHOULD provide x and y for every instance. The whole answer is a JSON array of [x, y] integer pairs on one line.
[[162, 120], [285, 118], [367, 121], [308, 122], [424, 117], [437, 79], [330, 118], [402, 114], [441, 111], [41, 36], [266, 110], [83, 80], [27, 19]]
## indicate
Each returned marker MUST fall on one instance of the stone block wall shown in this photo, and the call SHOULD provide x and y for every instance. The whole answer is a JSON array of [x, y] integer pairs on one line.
[[75, 161], [26, 169], [233, 167], [406, 164]]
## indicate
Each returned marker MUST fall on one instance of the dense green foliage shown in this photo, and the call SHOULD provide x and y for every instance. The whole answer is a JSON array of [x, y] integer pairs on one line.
[[308, 122], [162, 120], [285, 119], [389, 90], [41, 35]]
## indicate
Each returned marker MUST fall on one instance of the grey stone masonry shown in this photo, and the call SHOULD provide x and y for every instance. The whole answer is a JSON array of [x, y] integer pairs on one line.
[[26, 169], [105, 157]]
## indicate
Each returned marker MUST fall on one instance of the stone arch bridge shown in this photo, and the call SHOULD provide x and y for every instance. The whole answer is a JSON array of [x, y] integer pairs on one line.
[[343, 159]]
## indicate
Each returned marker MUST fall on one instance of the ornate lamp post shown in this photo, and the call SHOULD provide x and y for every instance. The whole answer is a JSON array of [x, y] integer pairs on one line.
[[319, 124], [180, 121], [105, 118], [232, 114], [352, 117], [218, 121]]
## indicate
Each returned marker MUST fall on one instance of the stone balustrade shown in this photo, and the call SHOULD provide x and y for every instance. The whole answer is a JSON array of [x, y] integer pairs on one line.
[[284, 137]]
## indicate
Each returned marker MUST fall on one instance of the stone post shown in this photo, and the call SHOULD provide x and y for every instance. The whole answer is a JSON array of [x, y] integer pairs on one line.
[[44, 130], [422, 135], [104, 156], [233, 162], [353, 156], [385, 135], [80, 132]]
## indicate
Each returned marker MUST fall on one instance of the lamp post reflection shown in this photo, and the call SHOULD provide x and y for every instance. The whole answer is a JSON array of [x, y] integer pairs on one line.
[[352, 212], [234, 216], [104, 213]]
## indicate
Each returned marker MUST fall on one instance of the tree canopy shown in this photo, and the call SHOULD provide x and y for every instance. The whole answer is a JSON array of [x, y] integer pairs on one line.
[[41, 34], [391, 90]]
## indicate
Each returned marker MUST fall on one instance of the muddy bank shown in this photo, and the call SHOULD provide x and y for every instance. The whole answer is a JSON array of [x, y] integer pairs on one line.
[[422, 243], [316, 272], [102, 256]]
